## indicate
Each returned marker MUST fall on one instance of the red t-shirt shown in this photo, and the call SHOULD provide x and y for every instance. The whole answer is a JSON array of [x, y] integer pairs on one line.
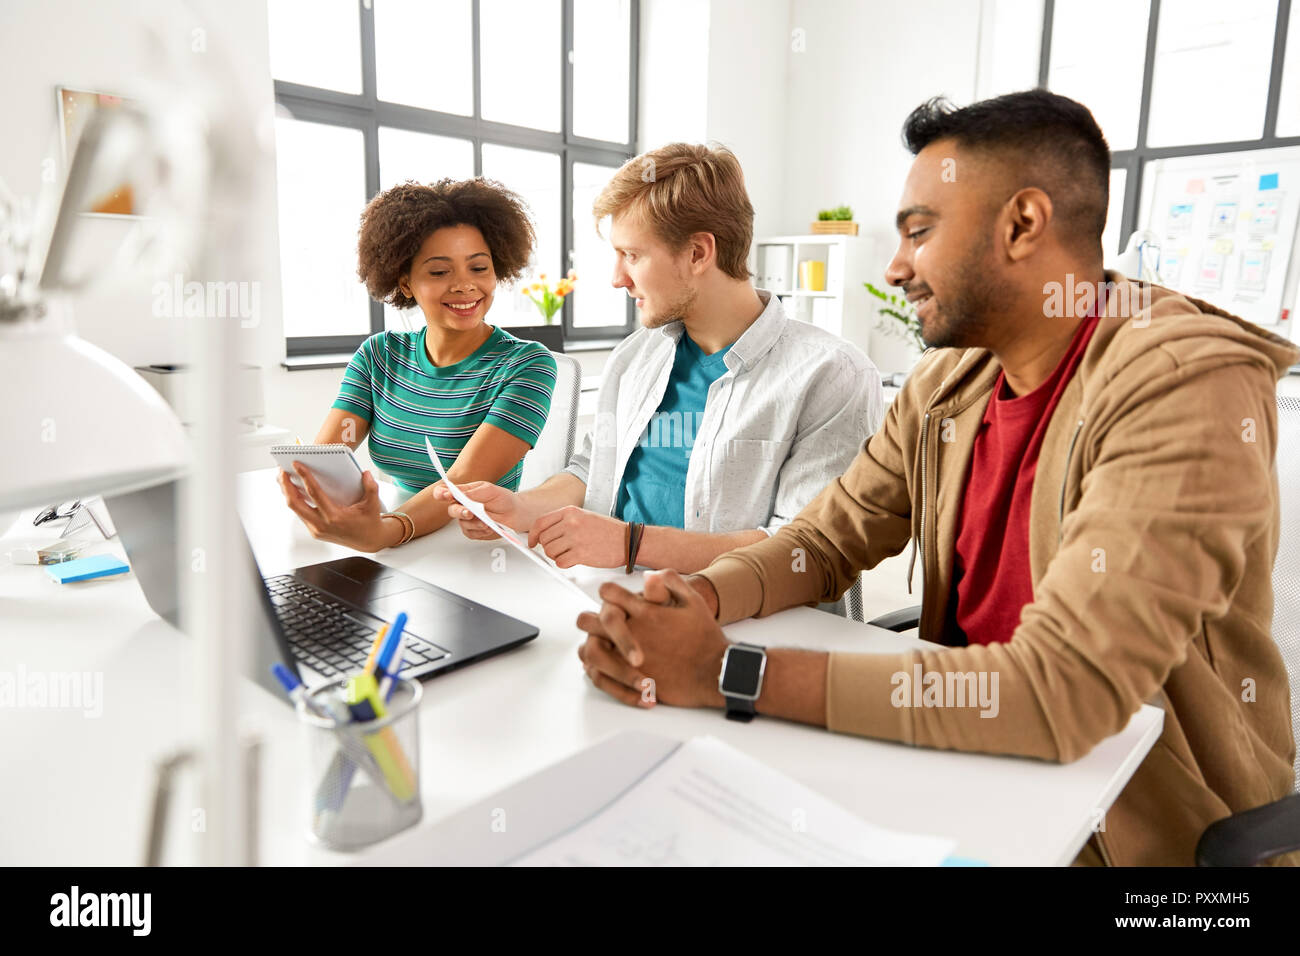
[[991, 570]]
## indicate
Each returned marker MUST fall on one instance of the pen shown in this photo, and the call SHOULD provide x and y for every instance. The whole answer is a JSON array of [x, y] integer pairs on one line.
[[374, 650], [333, 787], [327, 706], [389, 683], [295, 689], [384, 663]]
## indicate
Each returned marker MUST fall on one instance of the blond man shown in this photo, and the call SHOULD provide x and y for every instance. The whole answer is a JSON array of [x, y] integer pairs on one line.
[[719, 418]]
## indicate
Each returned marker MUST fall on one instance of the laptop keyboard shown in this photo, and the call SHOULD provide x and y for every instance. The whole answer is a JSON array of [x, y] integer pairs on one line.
[[328, 636]]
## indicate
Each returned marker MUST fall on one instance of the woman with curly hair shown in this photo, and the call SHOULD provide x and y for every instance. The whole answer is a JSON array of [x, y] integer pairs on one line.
[[477, 392]]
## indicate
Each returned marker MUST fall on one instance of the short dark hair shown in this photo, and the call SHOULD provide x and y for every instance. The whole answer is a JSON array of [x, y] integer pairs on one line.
[[1052, 142], [397, 221]]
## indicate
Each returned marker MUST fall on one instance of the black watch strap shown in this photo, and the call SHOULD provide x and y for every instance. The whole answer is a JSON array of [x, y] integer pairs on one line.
[[738, 708]]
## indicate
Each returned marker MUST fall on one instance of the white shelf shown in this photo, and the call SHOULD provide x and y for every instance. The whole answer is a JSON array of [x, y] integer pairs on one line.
[[777, 264], [820, 239]]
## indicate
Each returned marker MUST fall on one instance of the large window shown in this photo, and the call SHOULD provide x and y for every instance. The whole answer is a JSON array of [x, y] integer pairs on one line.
[[539, 94], [1168, 78]]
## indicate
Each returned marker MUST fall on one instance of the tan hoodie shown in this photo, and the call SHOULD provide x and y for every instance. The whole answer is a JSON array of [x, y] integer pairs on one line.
[[1154, 522]]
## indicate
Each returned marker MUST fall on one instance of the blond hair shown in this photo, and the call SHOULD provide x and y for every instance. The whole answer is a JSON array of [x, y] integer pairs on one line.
[[681, 189]]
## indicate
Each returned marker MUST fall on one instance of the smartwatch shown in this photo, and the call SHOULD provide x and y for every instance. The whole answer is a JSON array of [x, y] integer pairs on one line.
[[741, 679]]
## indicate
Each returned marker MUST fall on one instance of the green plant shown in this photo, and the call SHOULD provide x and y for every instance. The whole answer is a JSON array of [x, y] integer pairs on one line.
[[905, 325], [838, 214]]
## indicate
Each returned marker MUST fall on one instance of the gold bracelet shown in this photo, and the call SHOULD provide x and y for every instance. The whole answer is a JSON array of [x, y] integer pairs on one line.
[[408, 526]]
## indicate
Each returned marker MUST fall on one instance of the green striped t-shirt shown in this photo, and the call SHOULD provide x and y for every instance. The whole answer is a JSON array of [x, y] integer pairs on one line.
[[392, 383]]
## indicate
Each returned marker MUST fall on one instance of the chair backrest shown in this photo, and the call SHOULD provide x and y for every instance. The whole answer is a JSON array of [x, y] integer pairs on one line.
[[555, 444], [852, 601], [1286, 568]]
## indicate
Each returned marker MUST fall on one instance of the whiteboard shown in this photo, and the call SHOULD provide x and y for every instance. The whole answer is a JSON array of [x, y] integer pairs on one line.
[[1226, 224]]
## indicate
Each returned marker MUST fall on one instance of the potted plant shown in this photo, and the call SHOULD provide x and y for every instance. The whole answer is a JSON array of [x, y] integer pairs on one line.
[[549, 298], [837, 221], [905, 324]]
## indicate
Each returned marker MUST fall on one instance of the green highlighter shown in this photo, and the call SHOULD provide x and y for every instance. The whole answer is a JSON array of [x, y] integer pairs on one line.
[[365, 704]]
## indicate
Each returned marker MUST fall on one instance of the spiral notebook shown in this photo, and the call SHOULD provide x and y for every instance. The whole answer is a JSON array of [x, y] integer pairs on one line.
[[334, 466]]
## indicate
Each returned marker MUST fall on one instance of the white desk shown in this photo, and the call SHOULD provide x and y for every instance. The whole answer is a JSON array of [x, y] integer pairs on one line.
[[78, 787]]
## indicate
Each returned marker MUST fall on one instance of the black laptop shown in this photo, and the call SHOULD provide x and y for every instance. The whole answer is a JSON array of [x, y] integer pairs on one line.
[[321, 619]]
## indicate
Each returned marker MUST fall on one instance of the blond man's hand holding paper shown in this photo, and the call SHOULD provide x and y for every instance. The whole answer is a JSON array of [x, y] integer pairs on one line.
[[476, 508]]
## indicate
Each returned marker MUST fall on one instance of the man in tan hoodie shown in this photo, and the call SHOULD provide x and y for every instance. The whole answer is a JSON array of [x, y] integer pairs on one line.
[[1085, 467]]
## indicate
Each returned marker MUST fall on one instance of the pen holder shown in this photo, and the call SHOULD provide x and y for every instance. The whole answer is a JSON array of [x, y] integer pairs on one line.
[[363, 777]]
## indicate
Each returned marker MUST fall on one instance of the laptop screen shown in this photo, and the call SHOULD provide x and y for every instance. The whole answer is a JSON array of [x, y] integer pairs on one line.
[[149, 528]]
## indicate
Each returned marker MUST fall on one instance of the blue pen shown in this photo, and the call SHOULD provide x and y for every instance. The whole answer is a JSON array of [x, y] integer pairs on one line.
[[333, 787], [294, 688], [389, 683], [339, 775], [394, 632]]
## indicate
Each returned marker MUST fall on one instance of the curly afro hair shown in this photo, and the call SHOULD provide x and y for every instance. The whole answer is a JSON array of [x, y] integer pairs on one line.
[[397, 221]]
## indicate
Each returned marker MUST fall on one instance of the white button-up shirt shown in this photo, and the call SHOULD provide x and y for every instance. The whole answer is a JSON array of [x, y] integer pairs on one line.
[[787, 416]]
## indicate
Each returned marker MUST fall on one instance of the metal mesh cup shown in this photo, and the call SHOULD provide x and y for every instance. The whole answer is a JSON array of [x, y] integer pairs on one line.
[[363, 779]]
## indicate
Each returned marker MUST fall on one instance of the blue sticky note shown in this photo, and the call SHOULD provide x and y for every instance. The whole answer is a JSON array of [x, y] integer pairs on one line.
[[961, 861], [83, 569], [1268, 181]]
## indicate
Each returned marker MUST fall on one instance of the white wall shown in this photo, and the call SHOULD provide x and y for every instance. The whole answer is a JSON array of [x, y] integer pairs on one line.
[[673, 76], [749, 45], [863, 68], [715, 71]]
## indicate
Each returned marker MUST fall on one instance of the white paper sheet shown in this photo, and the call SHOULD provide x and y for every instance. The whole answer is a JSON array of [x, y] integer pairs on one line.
[[711, 805], [508, 534]]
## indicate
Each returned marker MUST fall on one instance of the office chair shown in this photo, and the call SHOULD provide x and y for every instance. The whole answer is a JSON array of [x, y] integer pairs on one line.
[[853, 601], [554, 445], [1253, 836], [849, 606], [904, 619]]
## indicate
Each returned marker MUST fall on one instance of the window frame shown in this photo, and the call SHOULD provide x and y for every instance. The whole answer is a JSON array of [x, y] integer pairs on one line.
[[1134, 160], [367, 113]]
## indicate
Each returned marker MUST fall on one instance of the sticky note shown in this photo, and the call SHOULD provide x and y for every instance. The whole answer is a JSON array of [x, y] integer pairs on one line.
[[1223, 246], [84, 569], [1195, 186], [1267, 181]]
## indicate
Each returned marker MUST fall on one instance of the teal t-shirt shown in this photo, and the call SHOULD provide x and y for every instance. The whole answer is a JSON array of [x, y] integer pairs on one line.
[[654, 482], [393, 384]]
